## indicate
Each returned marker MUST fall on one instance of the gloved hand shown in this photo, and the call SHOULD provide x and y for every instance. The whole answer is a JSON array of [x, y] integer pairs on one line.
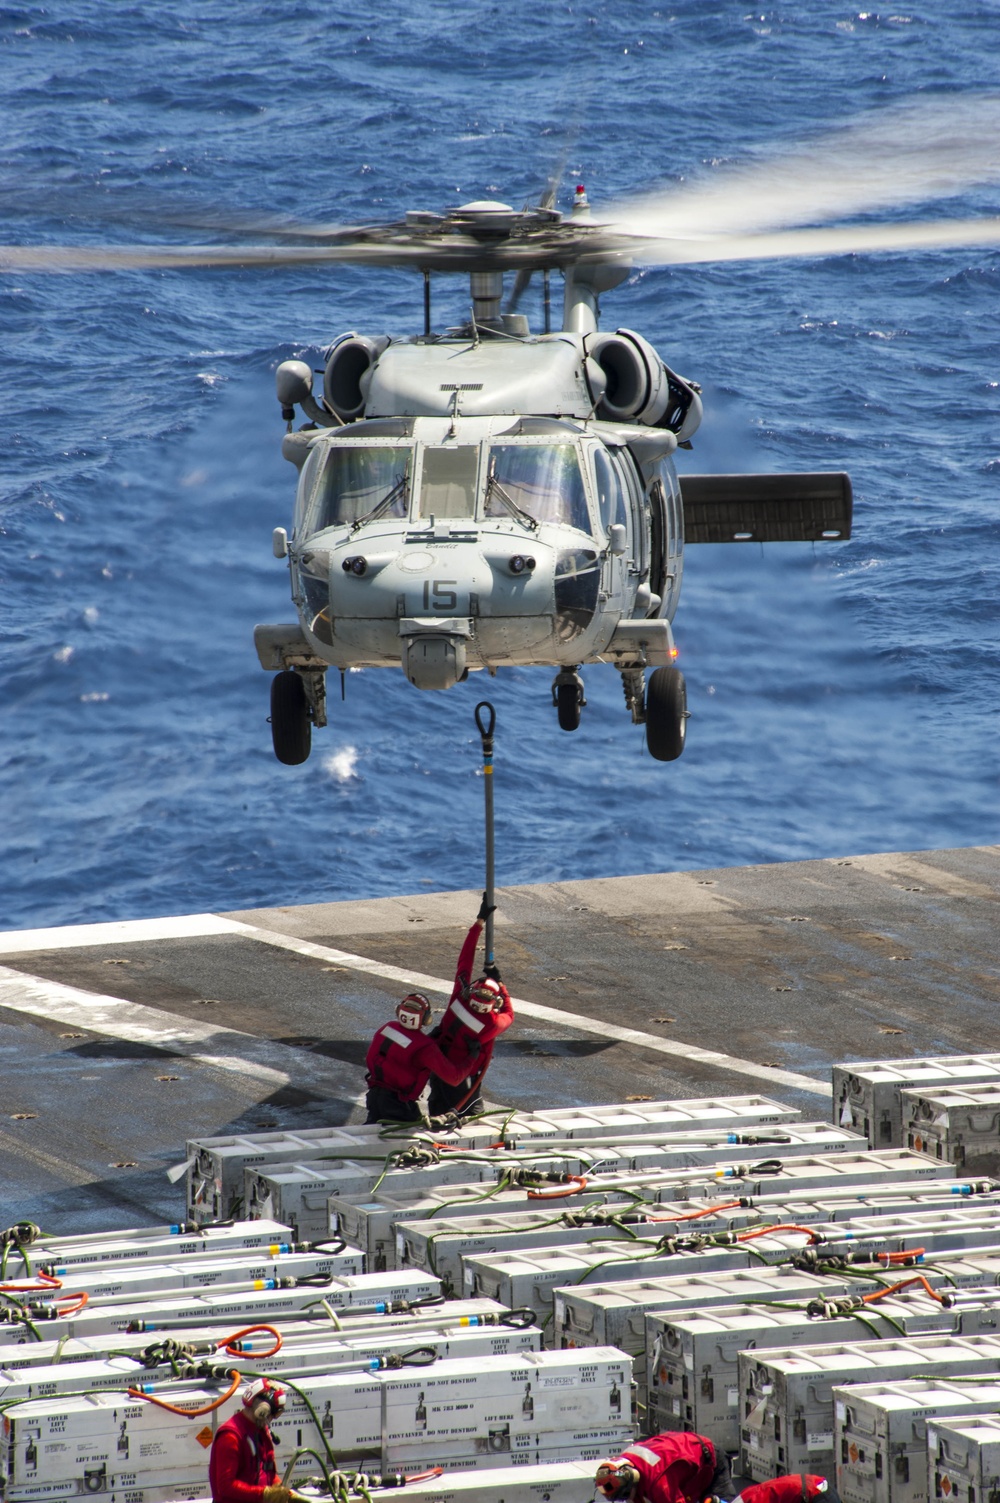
[[276, 1493], [485, 909], [493, 972]]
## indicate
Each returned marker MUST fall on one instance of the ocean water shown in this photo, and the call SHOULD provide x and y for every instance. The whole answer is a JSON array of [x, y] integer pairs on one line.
[[843, 698]]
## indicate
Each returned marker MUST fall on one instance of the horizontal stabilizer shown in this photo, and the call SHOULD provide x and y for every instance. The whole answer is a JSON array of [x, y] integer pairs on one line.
[[767, 508]]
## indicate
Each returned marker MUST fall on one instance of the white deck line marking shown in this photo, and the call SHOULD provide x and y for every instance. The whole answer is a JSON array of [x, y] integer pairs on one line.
[[572, 1020], [196, 925], [124, 932], [248, 1054]]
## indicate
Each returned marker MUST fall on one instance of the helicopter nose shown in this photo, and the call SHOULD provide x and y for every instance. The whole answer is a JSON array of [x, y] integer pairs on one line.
[[442, 608]]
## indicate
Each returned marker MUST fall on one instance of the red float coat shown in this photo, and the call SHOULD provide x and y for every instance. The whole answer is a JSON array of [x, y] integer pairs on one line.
[[463, 1031], [402, 1061], [242, 1461], [674, 1468], [793, 1489]]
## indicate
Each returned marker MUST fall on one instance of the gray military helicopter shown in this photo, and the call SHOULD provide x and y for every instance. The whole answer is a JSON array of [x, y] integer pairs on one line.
[[486, 496]]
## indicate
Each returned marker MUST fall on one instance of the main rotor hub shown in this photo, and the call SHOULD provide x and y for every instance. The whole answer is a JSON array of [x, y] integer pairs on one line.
[[485, 218]]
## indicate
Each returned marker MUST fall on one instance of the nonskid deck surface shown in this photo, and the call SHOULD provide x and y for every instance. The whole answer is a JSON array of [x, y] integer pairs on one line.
[[120, 1041]]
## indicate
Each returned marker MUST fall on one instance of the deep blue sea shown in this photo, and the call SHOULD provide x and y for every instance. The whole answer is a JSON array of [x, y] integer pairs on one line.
[[844, 698]]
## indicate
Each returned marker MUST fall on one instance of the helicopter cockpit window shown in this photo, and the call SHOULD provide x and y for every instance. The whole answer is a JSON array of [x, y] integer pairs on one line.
[[355, 481], [448, 482], [543, 480], [611, 501]]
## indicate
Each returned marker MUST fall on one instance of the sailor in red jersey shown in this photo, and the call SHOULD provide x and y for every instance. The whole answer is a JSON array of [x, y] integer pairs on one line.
[[241, 1468], [677, 1467], [402, 1058], [476, 1015], [791, 1489]]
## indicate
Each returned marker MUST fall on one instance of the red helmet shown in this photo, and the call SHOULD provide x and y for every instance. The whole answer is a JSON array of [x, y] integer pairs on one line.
[[615, 1479], [263, 1391], [485, 996], [414, 1011]]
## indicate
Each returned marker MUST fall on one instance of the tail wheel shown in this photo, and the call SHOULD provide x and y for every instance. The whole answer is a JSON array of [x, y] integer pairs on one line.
[[291, 723], [568, 698], [666, 714]]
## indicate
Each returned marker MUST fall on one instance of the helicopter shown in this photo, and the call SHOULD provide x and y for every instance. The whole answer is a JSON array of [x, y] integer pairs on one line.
[[486, 496]]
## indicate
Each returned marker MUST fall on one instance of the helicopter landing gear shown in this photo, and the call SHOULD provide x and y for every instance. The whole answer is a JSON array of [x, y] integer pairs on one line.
[[291, 718], [568, 698], [666, 714]]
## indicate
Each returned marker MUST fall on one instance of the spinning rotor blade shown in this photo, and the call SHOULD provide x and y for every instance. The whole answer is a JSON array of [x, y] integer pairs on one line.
[[835, 240], [930, 148], [451, 253]]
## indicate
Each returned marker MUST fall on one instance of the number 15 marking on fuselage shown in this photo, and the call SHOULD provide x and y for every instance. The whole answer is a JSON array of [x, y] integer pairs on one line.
[[439, 595]]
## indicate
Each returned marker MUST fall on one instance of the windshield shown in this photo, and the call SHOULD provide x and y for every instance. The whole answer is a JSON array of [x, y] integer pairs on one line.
[[448, 482], [354, 480], [542, 479]]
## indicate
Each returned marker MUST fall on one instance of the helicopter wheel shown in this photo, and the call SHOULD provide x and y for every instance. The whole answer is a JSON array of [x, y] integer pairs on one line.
[[291, 728], [568, 699], [666, 714]]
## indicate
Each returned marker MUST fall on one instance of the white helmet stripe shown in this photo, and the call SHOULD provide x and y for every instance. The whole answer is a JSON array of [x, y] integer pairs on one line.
[[465, 1016]]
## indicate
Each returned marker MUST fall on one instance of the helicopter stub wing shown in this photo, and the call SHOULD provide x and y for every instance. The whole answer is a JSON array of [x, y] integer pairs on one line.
[[767, 508]]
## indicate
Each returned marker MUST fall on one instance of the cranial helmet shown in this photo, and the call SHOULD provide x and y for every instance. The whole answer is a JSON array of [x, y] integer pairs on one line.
[[615, 1479], [414, 1011], [263, 1400], [485, 996]]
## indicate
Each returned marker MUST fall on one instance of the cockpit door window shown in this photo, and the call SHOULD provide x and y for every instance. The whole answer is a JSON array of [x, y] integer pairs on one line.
[[611, 501]]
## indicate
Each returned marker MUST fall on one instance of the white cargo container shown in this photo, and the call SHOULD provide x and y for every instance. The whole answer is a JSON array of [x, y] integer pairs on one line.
[[215, 1165], [530, 1279], [572, 1445], [118, 1486], [249, 1270], [556, 1482], [293, 1193], [358, 1353], [371, 1224], [86, 1438], [692, 1367], [500, 1408], [963, 1458], [160, 1244], [442, 1245], [615, 1314], [786, 1395], [506, 1405], [303, 1190], [866, 1093], [880, 1434], [960, 1124], [295, 1329], [371, 1291]]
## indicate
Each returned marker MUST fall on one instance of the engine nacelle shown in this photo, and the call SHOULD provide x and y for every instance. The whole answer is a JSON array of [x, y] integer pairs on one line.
[[345, 378], [639, 388]]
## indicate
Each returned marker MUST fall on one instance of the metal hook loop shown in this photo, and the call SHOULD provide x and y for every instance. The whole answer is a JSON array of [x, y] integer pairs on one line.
[[486, 731]]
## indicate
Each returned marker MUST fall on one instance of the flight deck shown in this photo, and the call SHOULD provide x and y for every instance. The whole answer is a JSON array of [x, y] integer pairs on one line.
[[120, 1041]]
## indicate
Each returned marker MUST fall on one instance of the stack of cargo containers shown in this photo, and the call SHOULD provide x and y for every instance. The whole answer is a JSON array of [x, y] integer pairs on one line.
[[715, 1265]]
